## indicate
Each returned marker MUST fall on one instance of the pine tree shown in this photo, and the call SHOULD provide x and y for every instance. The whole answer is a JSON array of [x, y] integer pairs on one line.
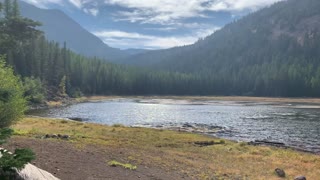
[[8, 8], [15, 9]]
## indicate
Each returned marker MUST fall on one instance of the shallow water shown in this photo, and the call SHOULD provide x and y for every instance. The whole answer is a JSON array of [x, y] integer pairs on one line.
[[295, 125]]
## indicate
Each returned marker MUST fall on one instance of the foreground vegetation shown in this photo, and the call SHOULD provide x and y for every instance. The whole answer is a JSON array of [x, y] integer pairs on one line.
[[177, 151]]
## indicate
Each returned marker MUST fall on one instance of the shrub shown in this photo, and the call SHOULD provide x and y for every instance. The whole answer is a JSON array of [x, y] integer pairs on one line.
[[34, 90], [126, 166], [12, 102], [12, 107]]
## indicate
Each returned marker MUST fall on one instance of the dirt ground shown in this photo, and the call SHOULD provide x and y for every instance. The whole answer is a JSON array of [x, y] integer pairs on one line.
[[68, 162]]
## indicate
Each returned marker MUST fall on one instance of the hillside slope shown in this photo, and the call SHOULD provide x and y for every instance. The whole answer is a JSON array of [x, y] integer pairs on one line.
[[284, 30], [272, 52], [61, 28]]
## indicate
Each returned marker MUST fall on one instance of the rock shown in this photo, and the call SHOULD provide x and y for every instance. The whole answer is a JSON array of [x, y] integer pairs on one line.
[[76, 119], [31, 172], [59, 136], [54, 136], [300, 178], [280, 172], [65, 137], [187, 125], [47, 136]]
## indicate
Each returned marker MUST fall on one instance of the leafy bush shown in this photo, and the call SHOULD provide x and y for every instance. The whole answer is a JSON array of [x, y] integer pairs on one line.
[[12, 103], [12, 107], [34, 91], [75, 93]]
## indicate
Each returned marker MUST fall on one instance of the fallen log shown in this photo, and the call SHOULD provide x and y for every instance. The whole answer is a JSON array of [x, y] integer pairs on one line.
[[268, 143]]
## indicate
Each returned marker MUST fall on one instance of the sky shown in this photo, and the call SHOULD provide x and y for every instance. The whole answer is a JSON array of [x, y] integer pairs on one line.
[[153, 24]]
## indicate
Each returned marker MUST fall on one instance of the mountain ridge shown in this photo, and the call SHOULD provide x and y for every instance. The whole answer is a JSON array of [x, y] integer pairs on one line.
[[241, 36], [61, 28]]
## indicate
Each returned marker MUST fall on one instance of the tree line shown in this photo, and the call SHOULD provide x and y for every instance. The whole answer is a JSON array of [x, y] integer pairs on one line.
[[226, 63]]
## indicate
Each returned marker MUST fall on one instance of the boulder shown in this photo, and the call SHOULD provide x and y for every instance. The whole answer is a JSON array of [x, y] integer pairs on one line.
[[65, 137], [280, 172], [187, 125], [300, 178], [31, 172], [59, 136], [54, 136], [47, 136]]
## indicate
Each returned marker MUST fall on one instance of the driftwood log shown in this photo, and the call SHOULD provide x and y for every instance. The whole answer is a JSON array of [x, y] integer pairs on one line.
[[267, 143]]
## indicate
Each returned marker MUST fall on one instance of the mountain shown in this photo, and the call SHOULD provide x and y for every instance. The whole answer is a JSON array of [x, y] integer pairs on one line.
[[286, 31], [61, 28], [272, 52]]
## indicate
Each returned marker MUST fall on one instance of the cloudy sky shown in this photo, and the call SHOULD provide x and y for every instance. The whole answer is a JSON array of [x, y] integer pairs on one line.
[[153, 24]]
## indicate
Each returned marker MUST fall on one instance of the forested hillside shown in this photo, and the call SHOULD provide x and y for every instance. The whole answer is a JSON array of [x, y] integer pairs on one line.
[[272, 52]]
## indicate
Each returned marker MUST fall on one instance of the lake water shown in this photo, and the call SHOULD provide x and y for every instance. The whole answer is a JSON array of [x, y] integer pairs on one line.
[[296, 125]]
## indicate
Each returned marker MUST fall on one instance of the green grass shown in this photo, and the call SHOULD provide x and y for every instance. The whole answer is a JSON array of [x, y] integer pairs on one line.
[[118, 164]]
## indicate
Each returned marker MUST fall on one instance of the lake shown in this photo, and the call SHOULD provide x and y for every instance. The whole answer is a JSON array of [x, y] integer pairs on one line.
[[296, 125]]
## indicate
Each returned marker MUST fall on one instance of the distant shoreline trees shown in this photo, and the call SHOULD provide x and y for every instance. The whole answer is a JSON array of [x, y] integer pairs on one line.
[[234, 67]]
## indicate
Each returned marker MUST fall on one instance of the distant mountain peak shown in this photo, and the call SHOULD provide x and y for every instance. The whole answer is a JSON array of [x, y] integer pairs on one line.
[[61, 28]]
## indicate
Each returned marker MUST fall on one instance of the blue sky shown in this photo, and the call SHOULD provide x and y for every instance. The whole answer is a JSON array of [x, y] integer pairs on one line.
[[152, 24]]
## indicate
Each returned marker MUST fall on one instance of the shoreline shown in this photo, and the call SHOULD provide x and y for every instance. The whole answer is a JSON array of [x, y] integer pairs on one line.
[[191, 98], [170, 154], [309, 102], [210, 98]]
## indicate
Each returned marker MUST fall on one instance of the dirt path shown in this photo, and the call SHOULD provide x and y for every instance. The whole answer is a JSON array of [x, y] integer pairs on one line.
[[68, 162]]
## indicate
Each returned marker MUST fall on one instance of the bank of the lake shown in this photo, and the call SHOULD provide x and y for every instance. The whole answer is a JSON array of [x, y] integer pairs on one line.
[[293, 122], [68, 101], [159, 154]]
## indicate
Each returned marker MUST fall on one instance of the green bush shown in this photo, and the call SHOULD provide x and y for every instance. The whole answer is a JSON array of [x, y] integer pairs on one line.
[[34, 91], [12, 102], [12, 107], [75, 93]]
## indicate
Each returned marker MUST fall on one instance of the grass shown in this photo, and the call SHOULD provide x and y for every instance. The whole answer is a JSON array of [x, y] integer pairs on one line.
[[176, 151], [126, 166]]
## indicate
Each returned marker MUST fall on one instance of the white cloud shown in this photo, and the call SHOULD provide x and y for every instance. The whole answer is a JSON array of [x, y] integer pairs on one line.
[[92, 11], [160, 11], [136, 40], [92, 8], [77, 3], [43, 3], [169, 11], [238, 5]]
